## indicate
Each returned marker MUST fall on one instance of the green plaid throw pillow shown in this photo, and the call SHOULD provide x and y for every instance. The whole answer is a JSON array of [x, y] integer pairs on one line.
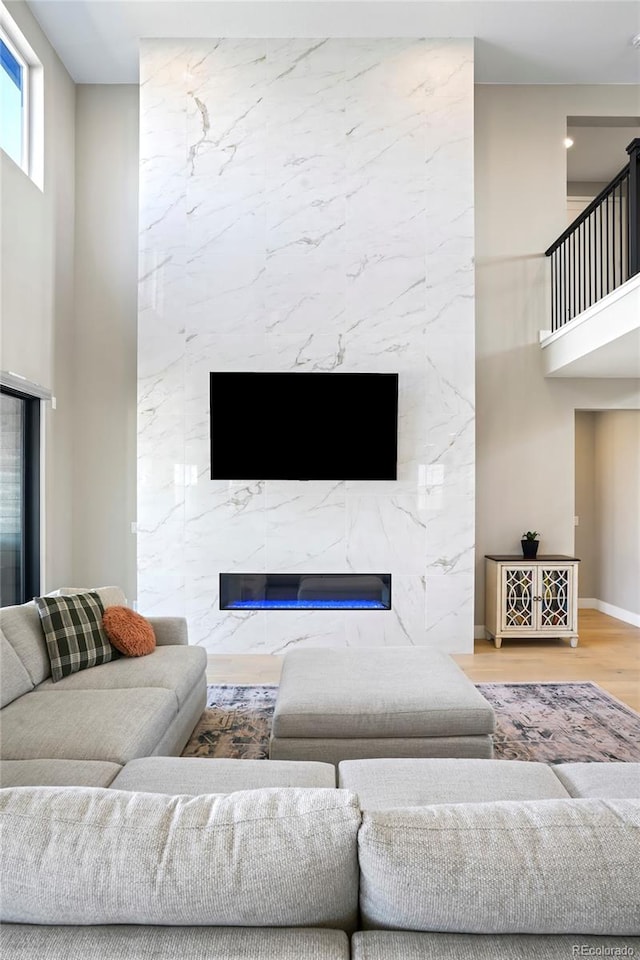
[[74, 633]]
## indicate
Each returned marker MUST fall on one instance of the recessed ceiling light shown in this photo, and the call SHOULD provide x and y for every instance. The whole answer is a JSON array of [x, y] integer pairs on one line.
[[636, 41], [568, 142]]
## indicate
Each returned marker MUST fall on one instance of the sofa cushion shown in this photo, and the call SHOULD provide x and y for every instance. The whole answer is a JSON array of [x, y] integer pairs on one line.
[[22, 627], [168, 943], [401, 945], [542, 866], [602, 780], [263, 858], [388, 692], [113, 725], [129, 632], [110, 596], [75, 637], [170, 668], [13, 674], [57, 773], [381, 784], [195, 775]]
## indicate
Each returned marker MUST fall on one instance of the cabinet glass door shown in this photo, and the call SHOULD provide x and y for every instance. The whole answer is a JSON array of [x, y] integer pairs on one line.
[[555, 594], [518, 590]]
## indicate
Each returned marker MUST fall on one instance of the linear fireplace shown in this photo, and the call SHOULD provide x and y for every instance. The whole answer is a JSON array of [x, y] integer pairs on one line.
[[305, 591]]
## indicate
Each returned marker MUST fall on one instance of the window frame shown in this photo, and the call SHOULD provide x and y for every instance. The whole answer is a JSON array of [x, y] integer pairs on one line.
[[31, 565], [25, 155]]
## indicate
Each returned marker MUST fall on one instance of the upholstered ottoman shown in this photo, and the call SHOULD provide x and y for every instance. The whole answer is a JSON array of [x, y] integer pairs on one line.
[[198, 775], [351, 704]]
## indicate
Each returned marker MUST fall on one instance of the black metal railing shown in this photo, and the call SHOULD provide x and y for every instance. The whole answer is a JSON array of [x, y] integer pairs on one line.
[[601, 248]]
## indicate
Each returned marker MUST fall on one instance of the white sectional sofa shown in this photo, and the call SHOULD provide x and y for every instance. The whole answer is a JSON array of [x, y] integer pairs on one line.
[[317, 873], [113, 851], [84, 728]]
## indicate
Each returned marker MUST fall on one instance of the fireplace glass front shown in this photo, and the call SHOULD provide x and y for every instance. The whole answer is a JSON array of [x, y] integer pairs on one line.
[[305, 591]]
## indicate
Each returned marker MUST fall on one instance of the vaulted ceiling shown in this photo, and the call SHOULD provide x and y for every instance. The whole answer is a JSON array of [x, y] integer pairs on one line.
[[518, 41]]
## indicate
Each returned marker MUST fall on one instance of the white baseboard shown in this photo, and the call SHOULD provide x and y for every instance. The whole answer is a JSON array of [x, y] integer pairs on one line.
[[619, 613], [479, 632], [627, 616]]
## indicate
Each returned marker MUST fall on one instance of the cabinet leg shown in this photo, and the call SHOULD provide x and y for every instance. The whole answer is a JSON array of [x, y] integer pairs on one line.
[[498, 642], [573, 641]]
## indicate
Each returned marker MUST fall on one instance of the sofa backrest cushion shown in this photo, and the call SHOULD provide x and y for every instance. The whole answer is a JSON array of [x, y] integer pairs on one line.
[[22, 628], [109, 596], [542, 866], [14, 679], [80, 855]]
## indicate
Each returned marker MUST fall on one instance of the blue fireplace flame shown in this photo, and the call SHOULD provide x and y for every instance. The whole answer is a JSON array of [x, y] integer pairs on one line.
[[296, 604]]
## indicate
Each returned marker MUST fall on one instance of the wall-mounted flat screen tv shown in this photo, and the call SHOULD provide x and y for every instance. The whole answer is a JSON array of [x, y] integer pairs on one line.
[[304, 426]]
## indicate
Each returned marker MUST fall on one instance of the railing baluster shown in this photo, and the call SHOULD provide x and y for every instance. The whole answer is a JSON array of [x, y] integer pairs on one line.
[[553, 291], [554, 287], [617, 246], [620, 198], [565, 315], [592, 258], [572, 275], [563, 253], [614, 243], [561, 291], [583, 269], [558, 257], [578, 271], [574, 271], [601, 264], [576, 310]]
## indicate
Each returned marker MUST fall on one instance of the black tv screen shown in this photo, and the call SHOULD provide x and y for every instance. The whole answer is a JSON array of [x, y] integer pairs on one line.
[[304, 426]]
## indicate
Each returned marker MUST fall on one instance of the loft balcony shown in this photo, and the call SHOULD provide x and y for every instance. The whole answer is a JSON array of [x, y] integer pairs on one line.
[[602, 341], [595, 285]]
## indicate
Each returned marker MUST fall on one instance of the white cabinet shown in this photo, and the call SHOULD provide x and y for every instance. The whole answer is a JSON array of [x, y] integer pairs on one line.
[[531, 598]]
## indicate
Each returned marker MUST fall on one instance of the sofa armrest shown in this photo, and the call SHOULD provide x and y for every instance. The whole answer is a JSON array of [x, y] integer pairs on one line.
[[169, 630]]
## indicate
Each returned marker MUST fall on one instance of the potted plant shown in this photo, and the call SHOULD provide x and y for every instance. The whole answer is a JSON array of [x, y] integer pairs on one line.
[[530, 544]]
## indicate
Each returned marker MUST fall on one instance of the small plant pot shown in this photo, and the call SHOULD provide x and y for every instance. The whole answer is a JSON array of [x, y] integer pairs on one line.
[[530, 549]]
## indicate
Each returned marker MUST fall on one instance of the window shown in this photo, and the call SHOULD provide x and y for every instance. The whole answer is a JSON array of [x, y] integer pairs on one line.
[[19, 497], [21, 100], [14, 105]]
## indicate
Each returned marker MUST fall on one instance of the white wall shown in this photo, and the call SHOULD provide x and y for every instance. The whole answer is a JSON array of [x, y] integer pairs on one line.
[[525, 424], [36, 299], [586, 533], [308, 205], [617, 503], [105, 345]]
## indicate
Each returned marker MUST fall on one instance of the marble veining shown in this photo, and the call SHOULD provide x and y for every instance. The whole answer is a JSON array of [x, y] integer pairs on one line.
[[307, 205]]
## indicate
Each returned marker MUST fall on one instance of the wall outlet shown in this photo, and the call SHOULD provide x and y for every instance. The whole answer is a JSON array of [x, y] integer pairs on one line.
[[134, 526], [576, 521]]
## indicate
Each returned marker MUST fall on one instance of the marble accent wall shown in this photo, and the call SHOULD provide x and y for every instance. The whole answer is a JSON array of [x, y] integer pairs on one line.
[[308, 205]]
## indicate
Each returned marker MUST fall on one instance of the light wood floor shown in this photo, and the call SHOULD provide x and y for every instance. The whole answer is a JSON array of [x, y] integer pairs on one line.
[[608, 654]]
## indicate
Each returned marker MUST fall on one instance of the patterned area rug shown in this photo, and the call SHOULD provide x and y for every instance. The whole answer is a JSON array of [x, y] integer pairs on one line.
[[236, 723], [549, 722], [561, 723]]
